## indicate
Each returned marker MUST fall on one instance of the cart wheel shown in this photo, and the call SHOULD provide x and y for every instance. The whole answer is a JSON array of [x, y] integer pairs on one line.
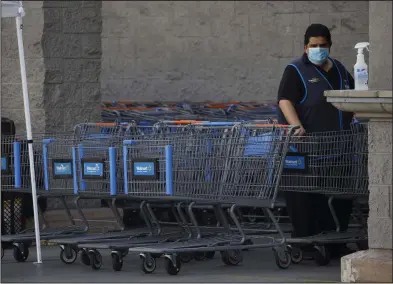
[[199, 256], [321, 256], [185, 257], [85, 257], [170, 268], [68, 256], [232, 257], [117, 262], [148, 264], [282, 257], [95, 259], [21, 255], [210, 254], [296, 255]]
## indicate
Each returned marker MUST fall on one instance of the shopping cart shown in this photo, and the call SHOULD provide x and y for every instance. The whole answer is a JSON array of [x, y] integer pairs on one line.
[[210, 164], [17, 179], [333, 164]]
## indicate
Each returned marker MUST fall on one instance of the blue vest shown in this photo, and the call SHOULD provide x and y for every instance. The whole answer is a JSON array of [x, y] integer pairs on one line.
[[315, 113]]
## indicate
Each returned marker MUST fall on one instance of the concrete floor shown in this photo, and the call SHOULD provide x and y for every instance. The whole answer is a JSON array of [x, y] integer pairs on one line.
[[258, 266]]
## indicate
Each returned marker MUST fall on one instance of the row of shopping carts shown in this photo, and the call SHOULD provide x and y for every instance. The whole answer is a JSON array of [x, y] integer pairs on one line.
[[209, 111], [188, 165]]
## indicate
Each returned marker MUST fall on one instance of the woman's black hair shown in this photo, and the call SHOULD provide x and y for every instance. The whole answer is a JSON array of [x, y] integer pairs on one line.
[[316, 30]]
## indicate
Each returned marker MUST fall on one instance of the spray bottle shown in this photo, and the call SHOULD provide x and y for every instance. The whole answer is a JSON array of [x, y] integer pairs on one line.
[[360, 68]]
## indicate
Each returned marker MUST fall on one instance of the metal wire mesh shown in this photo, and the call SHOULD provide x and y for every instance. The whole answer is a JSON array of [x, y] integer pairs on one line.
[[337, 163]]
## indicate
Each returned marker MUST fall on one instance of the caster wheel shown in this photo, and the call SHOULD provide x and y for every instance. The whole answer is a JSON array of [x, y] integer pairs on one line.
[[95, 259], [282, 257], [210, 254], [85, 259], [170, 268], [21, 254], [232, 257], [148, 264], [185, 257], [68, 255], [117, 262], [296, 255], [199, 256], [321, 256]]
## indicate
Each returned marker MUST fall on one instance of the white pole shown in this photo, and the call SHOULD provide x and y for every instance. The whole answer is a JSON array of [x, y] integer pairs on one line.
[[19, 28]]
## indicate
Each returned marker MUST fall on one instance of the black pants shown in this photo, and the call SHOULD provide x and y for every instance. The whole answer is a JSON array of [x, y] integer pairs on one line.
[[310, 213]]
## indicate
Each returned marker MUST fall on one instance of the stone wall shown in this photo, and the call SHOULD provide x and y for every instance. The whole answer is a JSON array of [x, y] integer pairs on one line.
[[215, 50], [62, 41], [11, 84], [72, 49], [380, 179]]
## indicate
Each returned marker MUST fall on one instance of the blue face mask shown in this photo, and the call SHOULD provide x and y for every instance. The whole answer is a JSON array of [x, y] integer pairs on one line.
[[318, 55]]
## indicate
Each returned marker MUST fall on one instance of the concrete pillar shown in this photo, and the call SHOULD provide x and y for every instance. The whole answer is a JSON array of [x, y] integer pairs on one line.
[[375, 264], [380, 34]]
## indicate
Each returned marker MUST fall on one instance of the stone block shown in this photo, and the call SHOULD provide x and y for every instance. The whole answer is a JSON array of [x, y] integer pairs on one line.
[[379, 137], [77, 115], [91, 93], [380, 169], [64, 95], [227, 26], [291, 24], [112, 89], [53, 44], [261, 26], [331, 20], [72, 20], [368, 266], [73, 69], [267, 46], [54, 119], [190, 23], [313, 7], [118, 27], [133, 89], [11, 96], [72, 45], [113, 67], [91, 20], [380, 201], [349, 6], [32, 44], [10, 70], [152, 8], [264, 8], [354, 22], [91, 70], [343, 45], [91, 46], [35, 69], [380, 233], [56, 4], [54, 70], [53, 20], [9, 45]]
